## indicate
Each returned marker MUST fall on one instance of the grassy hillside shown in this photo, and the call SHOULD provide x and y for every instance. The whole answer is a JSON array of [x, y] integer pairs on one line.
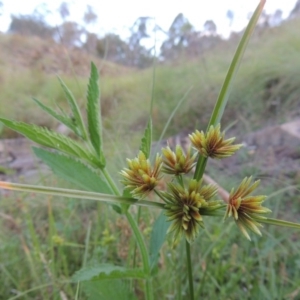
[[29, 68], [266, 90]]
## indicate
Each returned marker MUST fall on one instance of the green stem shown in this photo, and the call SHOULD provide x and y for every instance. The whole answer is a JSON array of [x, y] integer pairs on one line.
[[144, 254], [78, 194], [279, 222], [190, 272], [139, 239], [135, 246], [180, 180], [111, 182], [200, 167]]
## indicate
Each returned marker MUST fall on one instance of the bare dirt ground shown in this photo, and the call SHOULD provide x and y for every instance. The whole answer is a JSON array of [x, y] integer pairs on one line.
[[271, 151]]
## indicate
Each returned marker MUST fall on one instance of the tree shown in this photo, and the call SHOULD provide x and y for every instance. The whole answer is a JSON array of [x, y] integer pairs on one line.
[[138, 32], [296, 10], [64, 10], [70, 34], [210, 28], [276, 18], [90, 17], [113, 48], [30, 25], [230, 16], [138, 55], [91, 42], [179, 37]]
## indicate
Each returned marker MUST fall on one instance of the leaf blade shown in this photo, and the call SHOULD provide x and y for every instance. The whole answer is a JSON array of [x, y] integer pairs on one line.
[[73, 171], [226, 87], [61, 118], [107, 271], [160, 228], [234, 66], [74, 108], [107, 289], [51, 139], [147, 139], [93, 110]]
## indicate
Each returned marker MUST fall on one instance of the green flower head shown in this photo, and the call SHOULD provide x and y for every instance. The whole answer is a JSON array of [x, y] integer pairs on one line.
[[140, 178], [245, 209], [183, 207], [177, 162], [212, 143]]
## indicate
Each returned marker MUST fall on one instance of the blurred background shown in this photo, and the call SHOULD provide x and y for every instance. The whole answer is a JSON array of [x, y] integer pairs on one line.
[[188, 45], [173, 52]]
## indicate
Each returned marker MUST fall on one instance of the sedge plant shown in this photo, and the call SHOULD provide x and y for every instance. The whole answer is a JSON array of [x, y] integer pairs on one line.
[[185, 203]]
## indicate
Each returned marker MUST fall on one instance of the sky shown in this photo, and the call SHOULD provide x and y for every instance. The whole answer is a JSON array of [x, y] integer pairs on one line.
[[119, 15]]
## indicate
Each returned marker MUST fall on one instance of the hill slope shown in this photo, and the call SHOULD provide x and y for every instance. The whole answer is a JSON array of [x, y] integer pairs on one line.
[[266, 91]]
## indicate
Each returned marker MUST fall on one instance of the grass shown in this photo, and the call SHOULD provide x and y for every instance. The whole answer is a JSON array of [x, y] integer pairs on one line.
[[44, 240], [265, 92]]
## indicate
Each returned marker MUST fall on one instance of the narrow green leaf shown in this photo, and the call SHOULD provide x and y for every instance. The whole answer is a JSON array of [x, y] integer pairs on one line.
[[227, 85], [278, 222], [147, 139], [107, 289], [75, 109], [158, 235], [94, 110], [234, 66], [51, 139], [78, 194], [107, 271], [73, 171], [61, 118]]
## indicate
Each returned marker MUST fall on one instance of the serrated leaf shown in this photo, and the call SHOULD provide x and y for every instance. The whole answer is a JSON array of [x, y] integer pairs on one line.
[[75, 109], [107, 289], [61, 118], [73, 171], [107, 271], [94, 110], [158, 235], [147, 139], [51, 139]]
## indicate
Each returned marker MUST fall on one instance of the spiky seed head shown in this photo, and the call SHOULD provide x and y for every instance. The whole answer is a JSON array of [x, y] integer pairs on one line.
[[246, 209], [213, 144], [177, 162], [183, 206], [140, 178]]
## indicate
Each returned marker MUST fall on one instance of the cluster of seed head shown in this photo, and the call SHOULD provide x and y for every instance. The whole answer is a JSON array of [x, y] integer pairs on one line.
[[187, 200]]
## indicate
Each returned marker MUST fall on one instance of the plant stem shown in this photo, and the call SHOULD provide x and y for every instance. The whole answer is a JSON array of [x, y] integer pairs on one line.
[[139, 239], [78, 194], [144, 254], [190, 272], [134, 250], [278, 222], [110, 182], [200, 167]]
